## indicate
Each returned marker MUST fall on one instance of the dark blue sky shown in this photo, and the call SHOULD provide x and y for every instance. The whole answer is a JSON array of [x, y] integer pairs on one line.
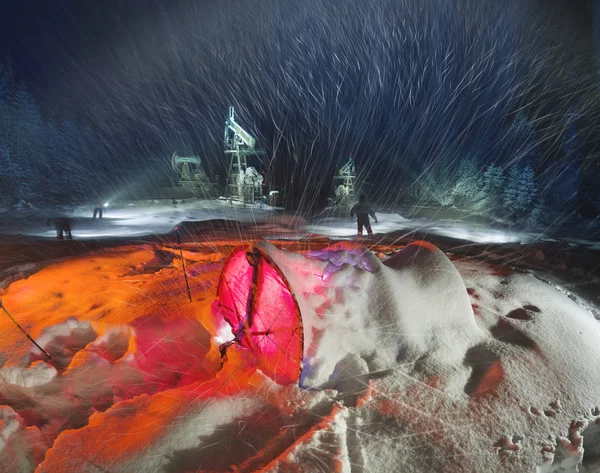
[[45, 38], [407, 82]]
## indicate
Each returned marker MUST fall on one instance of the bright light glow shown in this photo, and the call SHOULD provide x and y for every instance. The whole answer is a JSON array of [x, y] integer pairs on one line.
[[224, 334], [105, 204]]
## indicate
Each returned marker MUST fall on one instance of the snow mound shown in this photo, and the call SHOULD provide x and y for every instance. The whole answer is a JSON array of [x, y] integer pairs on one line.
[[62, 341], [414, 363], [21, 447], [414, 305], [38, 374], [14, 273]]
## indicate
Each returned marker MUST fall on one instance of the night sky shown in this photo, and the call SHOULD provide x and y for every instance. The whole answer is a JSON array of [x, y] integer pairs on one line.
[[314, 80], [44, 39]]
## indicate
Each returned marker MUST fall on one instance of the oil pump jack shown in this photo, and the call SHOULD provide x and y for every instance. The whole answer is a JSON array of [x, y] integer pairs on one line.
[[191, 180], [188, 169], [343, 183], [244, 183]]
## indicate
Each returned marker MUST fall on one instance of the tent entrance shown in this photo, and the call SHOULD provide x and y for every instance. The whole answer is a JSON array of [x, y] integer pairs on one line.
[[257, 301]]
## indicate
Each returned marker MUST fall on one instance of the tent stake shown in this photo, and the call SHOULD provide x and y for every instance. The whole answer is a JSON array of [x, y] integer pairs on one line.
[[23, 330]]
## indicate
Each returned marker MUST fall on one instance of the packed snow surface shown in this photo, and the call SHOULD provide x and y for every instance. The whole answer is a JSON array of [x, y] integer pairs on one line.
[[412, 363], [137, 218]]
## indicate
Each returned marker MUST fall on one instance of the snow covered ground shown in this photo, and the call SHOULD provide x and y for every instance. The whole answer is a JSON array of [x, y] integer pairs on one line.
[[412, 362], [132, 218], [137, 218]]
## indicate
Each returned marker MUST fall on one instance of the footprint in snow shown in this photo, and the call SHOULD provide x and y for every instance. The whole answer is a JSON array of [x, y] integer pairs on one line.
[[507, 446], [523, 313], [553, 408]]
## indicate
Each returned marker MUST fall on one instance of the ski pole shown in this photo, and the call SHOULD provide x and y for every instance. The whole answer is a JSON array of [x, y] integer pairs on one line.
[[23, 330]]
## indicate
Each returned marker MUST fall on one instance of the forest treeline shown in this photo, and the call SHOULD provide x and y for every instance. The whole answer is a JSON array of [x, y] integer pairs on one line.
[[41, 159]]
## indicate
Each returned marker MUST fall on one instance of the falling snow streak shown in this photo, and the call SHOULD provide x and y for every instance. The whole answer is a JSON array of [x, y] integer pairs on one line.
[[405, 86]]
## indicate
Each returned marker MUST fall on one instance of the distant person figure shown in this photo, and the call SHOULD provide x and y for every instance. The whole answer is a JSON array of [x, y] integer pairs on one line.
[[98, 210], [62, 225], [362, 210]]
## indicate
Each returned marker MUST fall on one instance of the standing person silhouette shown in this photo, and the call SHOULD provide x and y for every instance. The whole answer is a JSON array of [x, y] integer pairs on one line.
[[99, 208], [362, 210], [62, 225]]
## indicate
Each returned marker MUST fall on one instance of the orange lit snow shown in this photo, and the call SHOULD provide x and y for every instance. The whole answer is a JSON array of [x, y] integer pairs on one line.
[[108, 289], [399, 363]]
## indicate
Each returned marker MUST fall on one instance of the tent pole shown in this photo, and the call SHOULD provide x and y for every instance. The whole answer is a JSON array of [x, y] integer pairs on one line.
[[187, 285], [23, 330], [253, 257]]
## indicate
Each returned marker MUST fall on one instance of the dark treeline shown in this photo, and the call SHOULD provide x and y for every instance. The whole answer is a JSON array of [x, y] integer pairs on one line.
[[40, 159]]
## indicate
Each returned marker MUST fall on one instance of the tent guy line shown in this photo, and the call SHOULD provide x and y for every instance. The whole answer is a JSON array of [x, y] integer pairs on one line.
[[23, 330]]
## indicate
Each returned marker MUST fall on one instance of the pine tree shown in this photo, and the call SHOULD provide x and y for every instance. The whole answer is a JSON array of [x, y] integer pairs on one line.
[[6, 82], [528, 188], [511, 191], [12, 177], [468, 183], [493, 187], [55, 173], [25, 128], [520, 190], [537, 213], [493, 179], [49, 158]]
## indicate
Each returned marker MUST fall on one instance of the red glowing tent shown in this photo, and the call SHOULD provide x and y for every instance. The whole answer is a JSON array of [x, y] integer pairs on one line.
[[256, 300]]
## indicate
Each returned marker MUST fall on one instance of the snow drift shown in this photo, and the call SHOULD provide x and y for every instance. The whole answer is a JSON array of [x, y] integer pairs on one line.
[[412, 363]]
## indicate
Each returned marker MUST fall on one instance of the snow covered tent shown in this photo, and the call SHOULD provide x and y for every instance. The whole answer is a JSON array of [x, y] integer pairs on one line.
[[340, 312], [256, 300]]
